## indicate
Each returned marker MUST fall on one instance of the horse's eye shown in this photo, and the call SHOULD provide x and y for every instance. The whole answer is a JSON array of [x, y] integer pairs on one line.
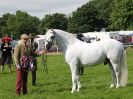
[[52, 37]]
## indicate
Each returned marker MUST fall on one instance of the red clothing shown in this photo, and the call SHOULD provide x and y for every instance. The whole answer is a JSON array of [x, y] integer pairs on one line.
[[21, 82], [21, 57]]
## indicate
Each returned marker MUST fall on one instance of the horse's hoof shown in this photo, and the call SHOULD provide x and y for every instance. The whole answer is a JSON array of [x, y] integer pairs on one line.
[[72, 92], [118, 86], [78, 89], [112, 86]]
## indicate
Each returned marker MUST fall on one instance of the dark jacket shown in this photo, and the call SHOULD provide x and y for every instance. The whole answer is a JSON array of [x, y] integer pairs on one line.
[[6, 51], [34, 47], [82, 38]]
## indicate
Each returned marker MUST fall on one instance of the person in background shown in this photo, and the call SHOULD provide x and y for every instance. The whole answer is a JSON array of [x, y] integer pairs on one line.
[[34, 47], [6, 57], [83, 38], [22, 58]]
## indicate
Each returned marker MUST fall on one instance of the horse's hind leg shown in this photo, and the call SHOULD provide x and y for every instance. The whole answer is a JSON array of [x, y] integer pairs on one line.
[[80, 71], [78, 83], [117, 77], [113, 83], [117, 73]]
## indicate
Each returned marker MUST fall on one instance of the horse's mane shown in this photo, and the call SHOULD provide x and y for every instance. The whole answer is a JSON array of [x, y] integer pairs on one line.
[[64, 39], [66, 35]]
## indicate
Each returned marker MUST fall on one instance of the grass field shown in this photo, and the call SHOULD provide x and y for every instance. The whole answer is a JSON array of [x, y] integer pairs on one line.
[[57, 83]]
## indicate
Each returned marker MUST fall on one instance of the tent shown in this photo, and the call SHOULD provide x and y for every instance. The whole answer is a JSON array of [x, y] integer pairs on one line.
[[128, 33], [40, 42]]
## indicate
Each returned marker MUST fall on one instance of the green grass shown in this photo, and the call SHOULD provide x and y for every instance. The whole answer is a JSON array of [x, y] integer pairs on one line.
[[57, 83]]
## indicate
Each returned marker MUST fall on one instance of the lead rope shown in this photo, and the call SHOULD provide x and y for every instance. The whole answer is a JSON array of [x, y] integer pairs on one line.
[[44, 62]]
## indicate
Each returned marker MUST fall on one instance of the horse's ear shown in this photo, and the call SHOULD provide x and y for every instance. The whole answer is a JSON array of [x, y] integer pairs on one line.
[[51, 29], [47, 29]]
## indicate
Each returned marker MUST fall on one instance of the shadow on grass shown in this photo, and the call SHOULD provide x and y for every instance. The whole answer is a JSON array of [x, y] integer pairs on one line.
[[69, 88], [130, 84], [38, 91], [63, 89], [45, 84]]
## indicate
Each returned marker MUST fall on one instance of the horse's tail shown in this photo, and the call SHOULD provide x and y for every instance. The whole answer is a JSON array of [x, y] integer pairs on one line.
[[124, 69]]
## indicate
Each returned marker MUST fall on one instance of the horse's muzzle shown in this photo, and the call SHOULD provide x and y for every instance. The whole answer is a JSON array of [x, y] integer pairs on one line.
[[48, 46]]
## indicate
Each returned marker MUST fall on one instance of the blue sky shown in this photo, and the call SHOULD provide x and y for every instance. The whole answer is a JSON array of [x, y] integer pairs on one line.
[[40, 8]]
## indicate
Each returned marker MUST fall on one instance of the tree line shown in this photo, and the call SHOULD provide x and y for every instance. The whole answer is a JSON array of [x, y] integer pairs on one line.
[[93, 16]]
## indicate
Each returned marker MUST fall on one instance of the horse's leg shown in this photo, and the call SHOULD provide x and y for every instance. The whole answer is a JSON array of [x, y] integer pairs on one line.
[[78, 83], [113, 83], [117, 73], [73, 68], [79, 72], [117, 70]]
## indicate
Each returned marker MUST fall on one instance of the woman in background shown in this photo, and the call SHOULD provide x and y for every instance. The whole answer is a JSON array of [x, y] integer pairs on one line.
[[6, 57]]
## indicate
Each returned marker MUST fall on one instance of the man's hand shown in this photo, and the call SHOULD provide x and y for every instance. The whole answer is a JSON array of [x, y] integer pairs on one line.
[[42, 52], [18, 67]]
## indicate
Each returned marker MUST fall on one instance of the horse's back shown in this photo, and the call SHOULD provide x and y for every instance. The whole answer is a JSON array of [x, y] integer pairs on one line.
[[111, 44], [94, 53], [85, 53], [112, 48]]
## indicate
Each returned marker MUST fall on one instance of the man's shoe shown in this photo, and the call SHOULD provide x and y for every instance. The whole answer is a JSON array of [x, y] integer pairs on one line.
[[18, 94], [33, 84], [24, 93]]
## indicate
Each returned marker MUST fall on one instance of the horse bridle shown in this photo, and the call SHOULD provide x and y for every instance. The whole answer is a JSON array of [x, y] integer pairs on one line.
[[50, 42]]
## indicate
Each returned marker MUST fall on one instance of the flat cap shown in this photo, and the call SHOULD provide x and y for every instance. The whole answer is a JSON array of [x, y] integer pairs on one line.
[[24, 36]]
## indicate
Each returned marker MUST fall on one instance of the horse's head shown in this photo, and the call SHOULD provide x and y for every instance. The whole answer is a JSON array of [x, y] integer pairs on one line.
[[49, 39]]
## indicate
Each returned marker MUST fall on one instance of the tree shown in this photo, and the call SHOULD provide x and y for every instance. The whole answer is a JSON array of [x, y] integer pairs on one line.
[[104, 8], [122, 15], [11, 25], [93, 16], [3, 24], [33, 25], [55, 21], [26, 23], [15, 25], [84, 19]]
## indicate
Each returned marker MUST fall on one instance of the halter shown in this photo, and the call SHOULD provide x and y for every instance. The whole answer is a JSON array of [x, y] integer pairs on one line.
[[50, 42], [44, 62], [44, 57]]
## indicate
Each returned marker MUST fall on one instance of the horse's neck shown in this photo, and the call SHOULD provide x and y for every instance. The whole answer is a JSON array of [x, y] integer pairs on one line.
[[64, 40]]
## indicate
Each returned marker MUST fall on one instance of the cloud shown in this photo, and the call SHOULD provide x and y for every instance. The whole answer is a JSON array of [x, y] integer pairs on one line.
[[40, 8]]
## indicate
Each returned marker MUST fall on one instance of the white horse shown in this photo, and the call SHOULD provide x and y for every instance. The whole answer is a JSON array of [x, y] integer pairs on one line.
[[78, 53]]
